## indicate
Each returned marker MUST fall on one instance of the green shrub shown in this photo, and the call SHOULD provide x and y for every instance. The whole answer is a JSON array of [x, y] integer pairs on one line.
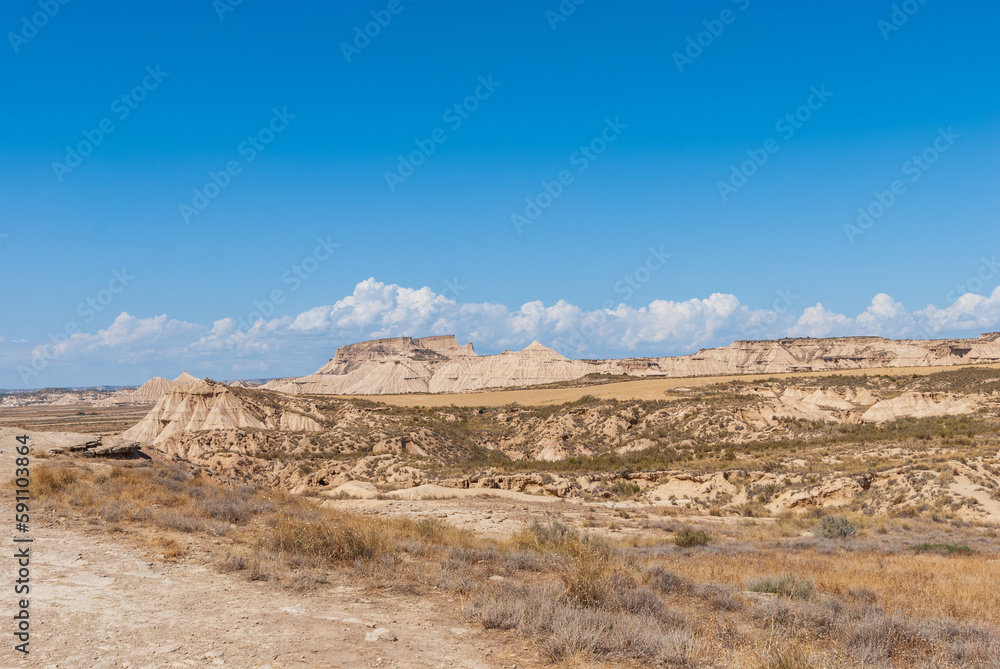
[[836, 527], [944, 549]]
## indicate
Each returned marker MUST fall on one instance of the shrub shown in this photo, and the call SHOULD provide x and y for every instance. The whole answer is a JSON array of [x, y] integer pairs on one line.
[[584, 573], [50, 480], [667, 582], [688, 538], [836, 527], [625, 488], [786, 585], [545, 536], [943, 549]]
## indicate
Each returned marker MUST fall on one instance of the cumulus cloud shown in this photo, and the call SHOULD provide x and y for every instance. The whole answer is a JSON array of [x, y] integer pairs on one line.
[[300, 343], [120, 336]]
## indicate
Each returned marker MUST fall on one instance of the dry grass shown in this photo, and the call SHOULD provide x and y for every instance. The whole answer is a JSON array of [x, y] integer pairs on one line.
[[924, 586], [581, 598], [85, 419]]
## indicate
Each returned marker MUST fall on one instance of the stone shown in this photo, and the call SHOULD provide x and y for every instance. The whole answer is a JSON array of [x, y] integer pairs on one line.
[[380, 634]]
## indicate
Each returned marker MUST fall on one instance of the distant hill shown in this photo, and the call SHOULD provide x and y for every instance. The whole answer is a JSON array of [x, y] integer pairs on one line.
[[439, 364]]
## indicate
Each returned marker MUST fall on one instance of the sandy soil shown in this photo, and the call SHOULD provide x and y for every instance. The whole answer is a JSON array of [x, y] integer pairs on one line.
[[99, 601]]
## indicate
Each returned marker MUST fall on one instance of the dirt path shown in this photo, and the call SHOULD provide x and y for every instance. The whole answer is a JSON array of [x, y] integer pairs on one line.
[[99, 602]]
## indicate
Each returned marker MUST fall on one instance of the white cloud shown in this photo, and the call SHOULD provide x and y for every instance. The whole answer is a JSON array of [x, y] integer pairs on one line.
[[121, 337], [300, 343]]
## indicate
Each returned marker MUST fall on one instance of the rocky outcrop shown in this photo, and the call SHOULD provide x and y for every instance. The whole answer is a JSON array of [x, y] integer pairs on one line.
[[149, 392], [919, 405], [807, 354], [208, 406], [440, 364]]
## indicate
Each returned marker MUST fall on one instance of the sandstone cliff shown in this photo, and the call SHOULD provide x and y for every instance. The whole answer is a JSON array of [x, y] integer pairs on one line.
[[440, 364]]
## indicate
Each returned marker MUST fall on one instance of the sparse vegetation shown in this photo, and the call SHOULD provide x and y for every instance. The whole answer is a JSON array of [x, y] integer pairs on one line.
[[786, 585], [687, 538], [710, 546], [576, 594], [943, 548], [836, 527]]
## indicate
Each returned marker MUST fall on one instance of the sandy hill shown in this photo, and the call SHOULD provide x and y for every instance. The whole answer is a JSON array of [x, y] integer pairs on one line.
[[149, 392], [208, 406], [441, 365]]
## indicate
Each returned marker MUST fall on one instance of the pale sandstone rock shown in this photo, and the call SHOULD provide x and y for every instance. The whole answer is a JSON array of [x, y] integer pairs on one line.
[[440, 364], [192, 408], [919, 405], [149, 392]]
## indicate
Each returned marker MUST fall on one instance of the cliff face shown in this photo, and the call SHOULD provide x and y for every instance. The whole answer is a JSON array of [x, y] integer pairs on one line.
[[440, 364], [797, 355]]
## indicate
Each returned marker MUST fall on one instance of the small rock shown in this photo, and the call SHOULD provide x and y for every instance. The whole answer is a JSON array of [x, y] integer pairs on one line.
[[380, 634]]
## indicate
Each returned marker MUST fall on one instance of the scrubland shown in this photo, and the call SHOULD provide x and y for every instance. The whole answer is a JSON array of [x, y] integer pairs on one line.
[[826, 588]]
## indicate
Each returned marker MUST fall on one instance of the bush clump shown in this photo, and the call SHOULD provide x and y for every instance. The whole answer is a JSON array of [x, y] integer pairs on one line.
[[836, 527], [688, 538]]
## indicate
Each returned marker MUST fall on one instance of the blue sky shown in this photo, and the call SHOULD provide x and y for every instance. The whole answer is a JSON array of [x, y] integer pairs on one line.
[[653, 245]]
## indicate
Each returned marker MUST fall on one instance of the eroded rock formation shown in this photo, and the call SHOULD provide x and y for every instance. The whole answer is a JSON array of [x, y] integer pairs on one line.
[[440, 364]]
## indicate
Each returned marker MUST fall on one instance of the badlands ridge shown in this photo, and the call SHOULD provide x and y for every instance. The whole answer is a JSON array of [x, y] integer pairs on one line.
[[440, 365]]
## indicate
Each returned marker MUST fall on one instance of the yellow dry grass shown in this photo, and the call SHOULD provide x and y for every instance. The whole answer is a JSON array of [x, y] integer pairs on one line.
[[640, 389], [919, 586]]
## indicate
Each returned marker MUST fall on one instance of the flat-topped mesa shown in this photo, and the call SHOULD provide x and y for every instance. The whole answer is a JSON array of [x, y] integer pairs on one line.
[[439, 364], [446, 345], [443, 347]]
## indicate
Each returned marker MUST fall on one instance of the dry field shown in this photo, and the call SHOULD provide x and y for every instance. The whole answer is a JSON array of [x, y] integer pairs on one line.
[[633, 389], [85, 419]]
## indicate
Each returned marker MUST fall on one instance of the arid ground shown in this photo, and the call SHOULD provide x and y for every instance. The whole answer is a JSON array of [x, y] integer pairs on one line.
[[795, 521]]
